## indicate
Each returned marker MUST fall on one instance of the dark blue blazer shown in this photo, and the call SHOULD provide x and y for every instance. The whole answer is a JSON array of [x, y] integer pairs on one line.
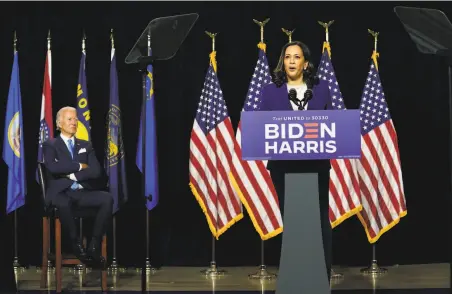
[[276, 99], [59, 164]]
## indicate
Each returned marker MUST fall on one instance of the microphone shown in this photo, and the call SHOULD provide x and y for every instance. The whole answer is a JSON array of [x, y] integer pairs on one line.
[[294, 99], [308, 94], [293, 95]]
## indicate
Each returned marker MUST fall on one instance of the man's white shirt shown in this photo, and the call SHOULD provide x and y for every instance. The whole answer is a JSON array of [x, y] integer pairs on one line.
[[66, 141]]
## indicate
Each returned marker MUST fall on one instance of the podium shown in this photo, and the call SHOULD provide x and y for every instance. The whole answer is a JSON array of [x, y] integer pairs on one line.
[[299, 144]]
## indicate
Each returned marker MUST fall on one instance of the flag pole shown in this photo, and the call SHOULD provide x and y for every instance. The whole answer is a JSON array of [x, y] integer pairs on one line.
[[114, 263], [262, 273], [81, 267], [374, 269], [326, 26], [49, 262], [16, 263], [213, 270], [148, 265], [147, 268]]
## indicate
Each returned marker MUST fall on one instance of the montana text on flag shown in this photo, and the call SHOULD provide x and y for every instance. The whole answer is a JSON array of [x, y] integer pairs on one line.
[[344, 199], [211, 153], [379, 168], [13, 143], [46, 119], [251, 179], [114, 153], [83, 113], [150, 156]]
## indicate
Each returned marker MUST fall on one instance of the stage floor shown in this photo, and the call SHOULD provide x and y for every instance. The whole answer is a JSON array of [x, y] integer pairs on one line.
[[181, 279]]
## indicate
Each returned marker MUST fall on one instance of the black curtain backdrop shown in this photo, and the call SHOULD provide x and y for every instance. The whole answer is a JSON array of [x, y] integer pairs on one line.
[[415, 86]]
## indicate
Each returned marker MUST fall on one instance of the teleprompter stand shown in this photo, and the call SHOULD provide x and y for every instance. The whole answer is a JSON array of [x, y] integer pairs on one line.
[[167, 35], [431, 31]]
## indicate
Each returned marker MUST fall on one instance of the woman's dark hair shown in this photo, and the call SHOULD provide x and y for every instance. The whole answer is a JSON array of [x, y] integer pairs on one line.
[[280, 75]]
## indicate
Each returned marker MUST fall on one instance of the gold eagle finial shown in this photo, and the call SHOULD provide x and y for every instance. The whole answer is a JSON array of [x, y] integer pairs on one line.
[[262, 24], [326, 25], [375, 35], [212, 35], [288, 33]]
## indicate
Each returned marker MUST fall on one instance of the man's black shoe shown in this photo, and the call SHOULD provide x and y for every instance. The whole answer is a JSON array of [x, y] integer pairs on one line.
[[79, 251], [94, 253]]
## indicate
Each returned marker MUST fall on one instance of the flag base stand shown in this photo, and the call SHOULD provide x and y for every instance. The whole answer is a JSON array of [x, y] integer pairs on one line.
[[262, 274], [50, 267], [114, 267], [146, 272], [18, 268], [213, 271], [16, 263], [148, 267], [336, 276], [79, 268], [374, 269]]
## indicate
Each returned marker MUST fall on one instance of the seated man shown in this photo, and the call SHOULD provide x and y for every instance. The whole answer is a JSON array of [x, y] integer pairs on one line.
[[75, 179]]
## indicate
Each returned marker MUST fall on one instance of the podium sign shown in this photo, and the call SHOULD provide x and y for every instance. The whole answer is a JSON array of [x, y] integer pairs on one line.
[[300, 135]]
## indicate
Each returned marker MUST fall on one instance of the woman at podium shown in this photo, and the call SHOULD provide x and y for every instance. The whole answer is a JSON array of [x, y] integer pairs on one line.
[[295, 87]]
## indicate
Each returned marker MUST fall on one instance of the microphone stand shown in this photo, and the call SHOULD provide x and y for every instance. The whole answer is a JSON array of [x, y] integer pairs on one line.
[[304, 102]]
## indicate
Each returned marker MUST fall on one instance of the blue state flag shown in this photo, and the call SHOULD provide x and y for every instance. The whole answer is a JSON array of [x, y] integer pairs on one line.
[[13, 143], [151, 165], [83, 113], [114, 153]]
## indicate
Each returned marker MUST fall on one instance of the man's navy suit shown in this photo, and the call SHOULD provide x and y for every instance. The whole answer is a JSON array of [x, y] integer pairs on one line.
[[59, 164]]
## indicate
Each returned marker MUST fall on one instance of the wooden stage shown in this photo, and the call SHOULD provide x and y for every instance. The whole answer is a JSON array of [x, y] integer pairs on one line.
[[426, 276]]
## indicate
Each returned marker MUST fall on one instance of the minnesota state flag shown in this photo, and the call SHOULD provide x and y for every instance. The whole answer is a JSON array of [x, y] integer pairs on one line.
[[13, 143]]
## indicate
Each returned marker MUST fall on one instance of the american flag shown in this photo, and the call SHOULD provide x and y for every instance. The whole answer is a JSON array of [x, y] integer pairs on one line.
[[46, 119], [211, 152], [251, 178], [344, 196], [379, 169]]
